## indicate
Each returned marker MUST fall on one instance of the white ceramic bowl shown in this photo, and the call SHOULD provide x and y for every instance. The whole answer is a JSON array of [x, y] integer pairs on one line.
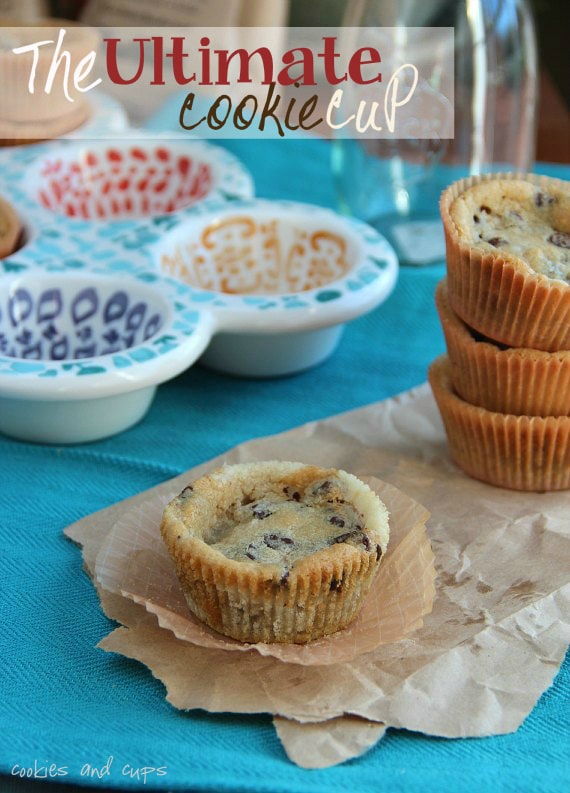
[[133, 176], [81, 354], [280, 280]]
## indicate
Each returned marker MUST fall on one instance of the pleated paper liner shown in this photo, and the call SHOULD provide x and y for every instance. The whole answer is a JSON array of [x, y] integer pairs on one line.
[[134, 563], [320, 595], [503, 380], [496, 293], [10, 229], [517, 452]]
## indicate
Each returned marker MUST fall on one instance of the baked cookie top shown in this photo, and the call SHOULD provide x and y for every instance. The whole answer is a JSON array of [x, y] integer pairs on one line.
[[279, 513], [513, 217]]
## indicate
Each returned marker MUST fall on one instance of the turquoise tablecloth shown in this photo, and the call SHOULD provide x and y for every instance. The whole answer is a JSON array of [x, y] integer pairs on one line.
[[65, 702]]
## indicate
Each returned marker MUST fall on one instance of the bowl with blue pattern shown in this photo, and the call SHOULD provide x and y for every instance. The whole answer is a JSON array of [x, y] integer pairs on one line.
[[280, 279], [82, 353]]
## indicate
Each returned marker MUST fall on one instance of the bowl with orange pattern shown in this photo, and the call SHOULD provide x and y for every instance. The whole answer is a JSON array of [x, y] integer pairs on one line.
[[280, 279]]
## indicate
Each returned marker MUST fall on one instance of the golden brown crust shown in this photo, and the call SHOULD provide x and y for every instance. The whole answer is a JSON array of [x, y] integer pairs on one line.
[[10, 229], [518, 452], [497, 293], [258, 602], [520, 381]]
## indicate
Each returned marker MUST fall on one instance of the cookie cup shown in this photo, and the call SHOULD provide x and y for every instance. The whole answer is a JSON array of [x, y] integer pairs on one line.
[[529, 453], [520, 381], [10, 229], [256, 602], [497, 293]]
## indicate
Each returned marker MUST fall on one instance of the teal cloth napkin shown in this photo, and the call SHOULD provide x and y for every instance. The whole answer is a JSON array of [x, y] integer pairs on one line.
[[63, 702]]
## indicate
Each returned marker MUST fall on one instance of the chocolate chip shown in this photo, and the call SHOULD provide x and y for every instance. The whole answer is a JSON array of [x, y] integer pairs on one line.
[[476, 218], [276, 541], [357, 535], [378, 552], [324, 487], [335, 585], [343, 537], [284, 578], [261, 514], [250, 552], [497, 242], [295, 496], [560, 238], [541, 199], [485, 209], [336, 521]]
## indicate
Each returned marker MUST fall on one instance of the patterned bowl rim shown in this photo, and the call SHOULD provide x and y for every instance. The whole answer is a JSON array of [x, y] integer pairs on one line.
[[367, 283], [183, 336]]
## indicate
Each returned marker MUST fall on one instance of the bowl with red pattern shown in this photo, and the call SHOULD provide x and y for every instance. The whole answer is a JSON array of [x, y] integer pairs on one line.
[[133, 178]]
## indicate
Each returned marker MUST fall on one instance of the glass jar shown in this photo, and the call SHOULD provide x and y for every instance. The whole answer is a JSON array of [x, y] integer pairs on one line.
[[395, 184]]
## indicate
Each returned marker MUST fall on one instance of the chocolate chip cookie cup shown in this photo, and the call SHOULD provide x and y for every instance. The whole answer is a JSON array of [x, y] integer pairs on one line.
[[502, 379], [529, 453], [276, 551], [508, 258]]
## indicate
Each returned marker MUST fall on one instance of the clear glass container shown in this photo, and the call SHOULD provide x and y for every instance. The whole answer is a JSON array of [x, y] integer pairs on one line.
[[395, 184]]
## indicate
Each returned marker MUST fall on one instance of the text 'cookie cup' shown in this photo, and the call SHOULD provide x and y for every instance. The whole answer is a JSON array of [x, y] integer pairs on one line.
[[276, 551]]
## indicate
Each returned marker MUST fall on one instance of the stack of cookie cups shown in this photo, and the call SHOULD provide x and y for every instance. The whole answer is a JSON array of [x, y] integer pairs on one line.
[[503, 390]]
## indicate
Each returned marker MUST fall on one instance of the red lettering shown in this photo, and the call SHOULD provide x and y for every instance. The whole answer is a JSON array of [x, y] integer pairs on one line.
[[307, 76], [111, 62], [205, 52], [178, 56], [328, 55], [357, 62], [158, 55], [224, 58]]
